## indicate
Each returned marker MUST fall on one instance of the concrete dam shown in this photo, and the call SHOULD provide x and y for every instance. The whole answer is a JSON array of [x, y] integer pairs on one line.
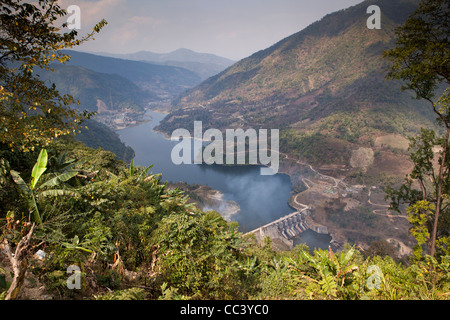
[[288, 227]]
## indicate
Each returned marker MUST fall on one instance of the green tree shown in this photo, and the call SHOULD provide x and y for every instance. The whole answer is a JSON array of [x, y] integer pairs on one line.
[[32, 113], [421, 59], [31, 193]]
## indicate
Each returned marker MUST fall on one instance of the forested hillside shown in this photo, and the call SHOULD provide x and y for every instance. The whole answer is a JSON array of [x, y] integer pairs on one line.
[[91, 88], [95, 91], [133, 238], [113, 87], [76, 223], [160, 80], [323, 87]]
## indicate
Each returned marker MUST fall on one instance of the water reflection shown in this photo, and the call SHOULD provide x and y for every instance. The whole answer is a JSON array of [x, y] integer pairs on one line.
[[313, 240], [262, 199]]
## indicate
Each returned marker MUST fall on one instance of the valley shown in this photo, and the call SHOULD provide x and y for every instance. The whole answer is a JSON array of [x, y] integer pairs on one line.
[[317, 168], [343, 128], [351, 210]]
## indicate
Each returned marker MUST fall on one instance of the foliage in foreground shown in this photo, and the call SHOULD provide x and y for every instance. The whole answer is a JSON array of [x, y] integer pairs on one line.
[[133, 238]]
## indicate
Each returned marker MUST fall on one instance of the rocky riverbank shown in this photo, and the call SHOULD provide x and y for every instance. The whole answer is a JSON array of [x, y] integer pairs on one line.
[[208, 199]]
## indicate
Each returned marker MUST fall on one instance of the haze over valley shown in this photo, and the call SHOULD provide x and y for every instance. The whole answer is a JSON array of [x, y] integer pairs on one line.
[[225, 150], [341, 123]]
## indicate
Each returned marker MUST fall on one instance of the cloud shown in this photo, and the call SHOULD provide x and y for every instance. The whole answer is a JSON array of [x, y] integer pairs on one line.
[[232, 28], [93, 11], [136, 29]]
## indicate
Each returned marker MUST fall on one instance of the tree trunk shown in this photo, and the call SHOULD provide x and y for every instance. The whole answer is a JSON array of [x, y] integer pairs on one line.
[[19, 269], [19, 263]]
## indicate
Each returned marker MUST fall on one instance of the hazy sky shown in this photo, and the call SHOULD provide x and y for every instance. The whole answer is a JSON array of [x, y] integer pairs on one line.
[[230, 28]]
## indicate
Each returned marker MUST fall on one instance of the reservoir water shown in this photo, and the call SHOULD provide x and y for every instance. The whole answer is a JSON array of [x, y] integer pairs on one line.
[[262, 199]]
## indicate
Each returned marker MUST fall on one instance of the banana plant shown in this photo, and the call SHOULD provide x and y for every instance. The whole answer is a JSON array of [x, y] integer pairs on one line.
[[39, 168], [333, 269], [134, 170], [33, 191]]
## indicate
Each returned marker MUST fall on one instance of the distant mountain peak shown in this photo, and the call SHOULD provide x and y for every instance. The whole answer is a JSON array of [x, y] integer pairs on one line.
[[184, 50], [161, 80], [204, 65]]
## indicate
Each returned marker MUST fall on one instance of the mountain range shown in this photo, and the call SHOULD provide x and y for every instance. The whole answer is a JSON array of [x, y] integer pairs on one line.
[[204, 64], [162, 81], [323, 87], [93, 88], [114, 85]]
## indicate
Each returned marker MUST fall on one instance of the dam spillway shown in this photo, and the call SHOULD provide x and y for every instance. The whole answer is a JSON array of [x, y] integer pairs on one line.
[[288, 227]]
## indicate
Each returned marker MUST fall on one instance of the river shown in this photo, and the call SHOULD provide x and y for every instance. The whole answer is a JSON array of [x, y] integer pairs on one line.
[[262, 199]]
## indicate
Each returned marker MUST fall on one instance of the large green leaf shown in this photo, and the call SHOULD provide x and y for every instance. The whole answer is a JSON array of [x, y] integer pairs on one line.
[[132, 169], [29, 195], [348, 256], [145, 171], [59, 179], [39, 168], [20, 183]]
